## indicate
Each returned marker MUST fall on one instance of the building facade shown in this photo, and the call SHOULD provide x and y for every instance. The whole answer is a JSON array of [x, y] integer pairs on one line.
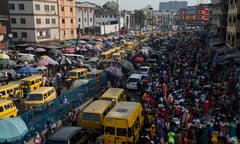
[[67, 19], [233, 24], [193, 16], [33, 20], [217, 18], [85, 18], [172, 6], [3, 32]]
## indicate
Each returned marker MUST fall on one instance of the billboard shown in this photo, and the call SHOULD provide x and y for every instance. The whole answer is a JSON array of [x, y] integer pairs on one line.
[[191, 10]]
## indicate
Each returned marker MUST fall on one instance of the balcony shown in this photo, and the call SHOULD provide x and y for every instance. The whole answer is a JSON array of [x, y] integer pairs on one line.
[[43, 37], [3, 45], [3, 29]]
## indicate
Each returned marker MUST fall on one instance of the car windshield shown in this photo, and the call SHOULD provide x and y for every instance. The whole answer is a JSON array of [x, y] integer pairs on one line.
[[144, 69], [133, 80]]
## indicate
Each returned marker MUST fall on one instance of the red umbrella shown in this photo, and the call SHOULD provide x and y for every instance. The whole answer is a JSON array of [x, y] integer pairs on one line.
[[42, 63], [139, 59]]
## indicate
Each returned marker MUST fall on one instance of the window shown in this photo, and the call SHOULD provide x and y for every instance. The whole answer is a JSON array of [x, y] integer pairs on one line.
[[13, 21], [63, 21], [46, 7], [24, 35], [71, 20], [47, 21], [85, 19], [71, 9], [52, 8], [22, 20], [14, 34], [37, 7], [38, 21], [110, 130], [79, 19], [121, 132], [21, 6], [90, 10], [64, 33], [53, 21], [72, 32], [91, 19], [11, 6], [62, 8], [85, 11]]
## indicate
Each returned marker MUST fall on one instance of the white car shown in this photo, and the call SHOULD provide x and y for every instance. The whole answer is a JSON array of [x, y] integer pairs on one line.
[[133, 81], [144, 70]]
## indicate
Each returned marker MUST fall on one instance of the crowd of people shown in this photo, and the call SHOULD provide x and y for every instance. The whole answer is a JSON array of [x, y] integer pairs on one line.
[[188, 98]]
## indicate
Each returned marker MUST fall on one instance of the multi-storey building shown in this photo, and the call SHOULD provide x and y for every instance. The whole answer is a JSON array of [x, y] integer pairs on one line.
[[33, 20], [85, 17], [67, 19], [3, 32], [233, 24], [193, 16], [217, 18], [172, 6]]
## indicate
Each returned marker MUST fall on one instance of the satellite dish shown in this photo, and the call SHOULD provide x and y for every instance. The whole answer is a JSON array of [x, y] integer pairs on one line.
[[1, 37]]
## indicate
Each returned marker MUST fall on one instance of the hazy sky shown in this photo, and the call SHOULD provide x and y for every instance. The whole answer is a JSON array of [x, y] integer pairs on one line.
[[138, 4]]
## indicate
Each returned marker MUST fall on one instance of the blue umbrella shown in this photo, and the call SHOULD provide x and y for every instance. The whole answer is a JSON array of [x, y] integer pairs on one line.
[[107, 43], [27, 70], [12, 129]]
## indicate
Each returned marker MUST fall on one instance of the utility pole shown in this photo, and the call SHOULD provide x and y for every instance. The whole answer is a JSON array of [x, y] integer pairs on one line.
[[119, 17]]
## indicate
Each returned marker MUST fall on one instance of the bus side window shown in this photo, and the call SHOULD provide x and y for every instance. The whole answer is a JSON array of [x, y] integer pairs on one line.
[[1, 109], [32, 82]]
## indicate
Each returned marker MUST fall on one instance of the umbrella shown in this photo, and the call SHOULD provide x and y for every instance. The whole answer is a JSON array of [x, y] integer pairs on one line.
[[27, 70], [55, 51], [12, 129], [50, 61], [41, 68], [98, 39], [82, 42], [139, 59], [40, 50], [26, 58], [30, 48], [127, 65], [4, 56], [78, 83], [7, 62], [42, 63], [107, 43], [115, 71]]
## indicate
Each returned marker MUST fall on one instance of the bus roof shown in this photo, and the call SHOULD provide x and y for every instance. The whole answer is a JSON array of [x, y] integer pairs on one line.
[[10, 84], [112, 92], [95, 72], [31, 77], [5, 101], [78, 69], [97, 106], [123, 110], [42, 90]]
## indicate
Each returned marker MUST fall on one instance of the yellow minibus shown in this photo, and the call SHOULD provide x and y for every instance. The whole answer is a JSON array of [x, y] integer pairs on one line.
[[123, 123], [94, 74], [40, 96], [78, 73], [30, 83], [116, 56], [10, 90], [8, 109], [93, 115], [115, 95]]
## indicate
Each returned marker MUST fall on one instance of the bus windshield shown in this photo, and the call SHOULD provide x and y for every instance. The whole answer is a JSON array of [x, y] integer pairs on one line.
[[91, 117], [35, 97]]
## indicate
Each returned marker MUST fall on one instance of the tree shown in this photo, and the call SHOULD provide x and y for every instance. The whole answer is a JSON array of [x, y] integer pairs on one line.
[[140, 17]]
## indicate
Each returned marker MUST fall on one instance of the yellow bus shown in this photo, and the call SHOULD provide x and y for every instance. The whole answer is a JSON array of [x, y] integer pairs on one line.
[[116, 56], [8, 109], [93, 115], [78, 73], [10, 90], [40, 96], [30, 83], [123, 123], [106, 54], [95, 75], [115, 95]]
